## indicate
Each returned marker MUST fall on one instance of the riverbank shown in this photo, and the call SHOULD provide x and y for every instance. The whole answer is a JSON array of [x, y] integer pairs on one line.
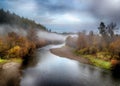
[[68, 52], [10, 73]]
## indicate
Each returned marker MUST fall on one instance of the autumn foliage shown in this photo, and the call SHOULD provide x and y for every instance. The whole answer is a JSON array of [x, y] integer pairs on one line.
[[104, 46], [15, 46]]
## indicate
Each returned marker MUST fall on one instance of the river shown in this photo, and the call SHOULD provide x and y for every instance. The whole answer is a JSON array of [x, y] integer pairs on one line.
[[52, 70]]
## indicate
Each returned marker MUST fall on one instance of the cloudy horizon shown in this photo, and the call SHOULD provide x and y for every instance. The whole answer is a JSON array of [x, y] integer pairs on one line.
[[66, 15]]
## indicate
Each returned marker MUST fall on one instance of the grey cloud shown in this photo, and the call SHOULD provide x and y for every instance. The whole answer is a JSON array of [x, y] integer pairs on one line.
[[57, 6], [98, 10], [106, 10]]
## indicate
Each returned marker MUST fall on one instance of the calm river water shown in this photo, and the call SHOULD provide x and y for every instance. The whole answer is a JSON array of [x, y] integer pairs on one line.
[[52, 70]]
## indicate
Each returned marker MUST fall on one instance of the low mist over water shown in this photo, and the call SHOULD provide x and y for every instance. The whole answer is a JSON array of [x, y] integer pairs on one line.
[[51, 36]]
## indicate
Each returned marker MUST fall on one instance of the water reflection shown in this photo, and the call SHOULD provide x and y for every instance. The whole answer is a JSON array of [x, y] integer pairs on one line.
[[52, 70]]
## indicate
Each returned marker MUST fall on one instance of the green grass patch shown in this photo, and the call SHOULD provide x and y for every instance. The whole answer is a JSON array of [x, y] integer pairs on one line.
[[18, 60], [2, 61], [101, 63], [101, 59], [98, 62]]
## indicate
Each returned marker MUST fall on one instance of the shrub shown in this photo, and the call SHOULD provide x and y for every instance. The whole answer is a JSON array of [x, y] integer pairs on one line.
[[14, 52], [92, 50], [83, 51], [115, 48]]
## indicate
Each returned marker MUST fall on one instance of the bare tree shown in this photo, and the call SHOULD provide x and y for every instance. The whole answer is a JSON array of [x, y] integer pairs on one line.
[[111, 28], [82, 43], [32, 36]]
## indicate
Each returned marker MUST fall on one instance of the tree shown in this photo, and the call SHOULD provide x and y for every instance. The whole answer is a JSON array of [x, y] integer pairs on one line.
[[102, 29], [107, 32], [32, 36], [12, 19], [111, 28], [91, 38], [82, 43], [115, 48]]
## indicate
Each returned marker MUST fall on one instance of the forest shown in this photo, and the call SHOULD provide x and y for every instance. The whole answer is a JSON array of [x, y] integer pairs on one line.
[[14, 46], [12, 19], [101, 49]]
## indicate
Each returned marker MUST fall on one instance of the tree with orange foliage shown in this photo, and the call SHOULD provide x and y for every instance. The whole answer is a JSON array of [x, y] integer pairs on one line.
[[115, 48], [82, 42]]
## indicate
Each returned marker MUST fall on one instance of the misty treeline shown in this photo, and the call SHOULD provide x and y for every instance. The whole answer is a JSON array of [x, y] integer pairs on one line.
[[18, 36], [105, 45], [13, 45], [12, 19]]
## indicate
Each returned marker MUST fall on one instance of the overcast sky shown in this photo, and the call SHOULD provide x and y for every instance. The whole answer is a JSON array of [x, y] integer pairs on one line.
[[66, 15]]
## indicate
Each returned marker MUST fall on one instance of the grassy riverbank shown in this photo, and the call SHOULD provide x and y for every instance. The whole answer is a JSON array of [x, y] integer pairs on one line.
[[98, 62], [16, 48], [100, 59], [102, 50], [70, 53], [3, 61]]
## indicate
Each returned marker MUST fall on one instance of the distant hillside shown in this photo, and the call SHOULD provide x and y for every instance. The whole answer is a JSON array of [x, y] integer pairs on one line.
[[12, 19]]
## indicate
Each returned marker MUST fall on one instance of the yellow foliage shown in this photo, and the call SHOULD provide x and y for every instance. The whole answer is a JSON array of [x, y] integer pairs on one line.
[[115, 46], [14, 50], [15, 46]]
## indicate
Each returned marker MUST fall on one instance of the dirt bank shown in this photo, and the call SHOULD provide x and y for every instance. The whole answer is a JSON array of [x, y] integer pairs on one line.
[[67, 52], [10, 74]]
